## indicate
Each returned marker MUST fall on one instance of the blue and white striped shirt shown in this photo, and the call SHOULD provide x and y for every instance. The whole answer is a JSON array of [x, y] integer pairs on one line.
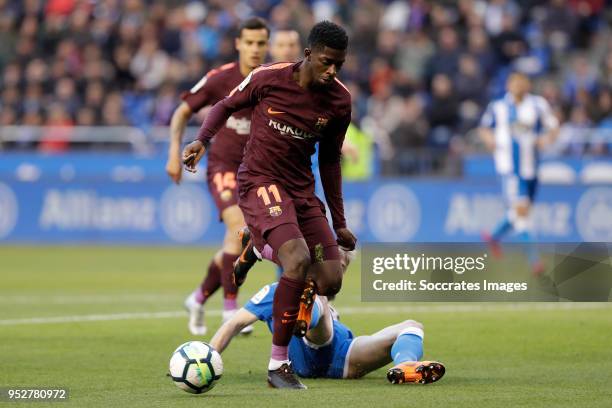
[[516, 127]]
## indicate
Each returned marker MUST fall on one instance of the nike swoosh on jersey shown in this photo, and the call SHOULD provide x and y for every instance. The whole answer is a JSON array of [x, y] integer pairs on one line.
[[286, 314], [273, 112]]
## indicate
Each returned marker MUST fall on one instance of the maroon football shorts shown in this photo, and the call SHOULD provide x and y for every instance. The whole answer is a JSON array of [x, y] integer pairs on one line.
[[268, 206], [222, 186]]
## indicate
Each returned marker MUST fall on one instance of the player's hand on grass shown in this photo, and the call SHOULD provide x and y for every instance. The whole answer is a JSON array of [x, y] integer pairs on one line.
[[346, 239], [174, 168], [192, 154]]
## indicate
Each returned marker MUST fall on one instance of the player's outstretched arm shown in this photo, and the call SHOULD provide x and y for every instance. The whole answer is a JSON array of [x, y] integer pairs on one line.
[[485, 129], [232, 328], [180, 117], [331, 179], [487, 138], [551, 125]]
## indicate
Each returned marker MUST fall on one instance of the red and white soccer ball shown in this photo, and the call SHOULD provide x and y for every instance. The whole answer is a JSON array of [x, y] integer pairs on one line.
[[195, 367]]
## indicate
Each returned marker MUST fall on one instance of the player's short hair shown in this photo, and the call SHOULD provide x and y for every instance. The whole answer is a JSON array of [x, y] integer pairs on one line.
[[327, 34], [254, 23]]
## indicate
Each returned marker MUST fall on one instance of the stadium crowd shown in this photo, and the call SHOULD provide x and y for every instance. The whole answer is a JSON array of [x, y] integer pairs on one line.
[[420, 72]]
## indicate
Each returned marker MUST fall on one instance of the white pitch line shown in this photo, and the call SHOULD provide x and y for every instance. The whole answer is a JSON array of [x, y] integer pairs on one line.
[[88, 299], [451, 308]]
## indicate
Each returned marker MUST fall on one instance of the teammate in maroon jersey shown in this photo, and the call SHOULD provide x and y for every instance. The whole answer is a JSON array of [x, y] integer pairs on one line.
[[295, 105], [223, 160]]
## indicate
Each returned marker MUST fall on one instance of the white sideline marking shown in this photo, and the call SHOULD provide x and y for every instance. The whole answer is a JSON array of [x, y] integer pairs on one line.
[[89, 299], [451, 308]]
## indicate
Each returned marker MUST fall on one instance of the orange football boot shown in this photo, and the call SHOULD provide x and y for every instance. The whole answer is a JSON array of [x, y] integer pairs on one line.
[[419, 372], [305, 314]]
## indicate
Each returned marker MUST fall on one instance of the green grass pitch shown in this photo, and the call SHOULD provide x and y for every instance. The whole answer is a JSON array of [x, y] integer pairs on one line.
[[495, 356]]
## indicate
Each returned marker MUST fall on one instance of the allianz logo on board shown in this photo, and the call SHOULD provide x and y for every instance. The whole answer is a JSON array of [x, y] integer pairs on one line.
[[77, 209], [473, 213], [183, 212]]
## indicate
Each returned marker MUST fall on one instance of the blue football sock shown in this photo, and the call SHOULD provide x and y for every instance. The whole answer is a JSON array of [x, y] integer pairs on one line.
[[502, 229], [532, 251], [407, 347]]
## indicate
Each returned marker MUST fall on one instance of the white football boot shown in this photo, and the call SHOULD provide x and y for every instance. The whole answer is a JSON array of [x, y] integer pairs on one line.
[[196, 316]]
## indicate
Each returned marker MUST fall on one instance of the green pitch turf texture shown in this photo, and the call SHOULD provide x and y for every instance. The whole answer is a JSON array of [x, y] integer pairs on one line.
[[495, 356]]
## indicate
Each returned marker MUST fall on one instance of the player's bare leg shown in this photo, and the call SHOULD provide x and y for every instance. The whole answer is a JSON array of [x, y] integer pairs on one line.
[[294, 257], [401, 343], [196, 300], [234, 222]]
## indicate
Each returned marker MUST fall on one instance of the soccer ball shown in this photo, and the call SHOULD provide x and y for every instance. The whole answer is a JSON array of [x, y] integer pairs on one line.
[[195, 367]]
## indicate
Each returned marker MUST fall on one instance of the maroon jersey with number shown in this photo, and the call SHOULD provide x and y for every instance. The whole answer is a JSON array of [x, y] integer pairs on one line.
[[286, 123], [226, 150]]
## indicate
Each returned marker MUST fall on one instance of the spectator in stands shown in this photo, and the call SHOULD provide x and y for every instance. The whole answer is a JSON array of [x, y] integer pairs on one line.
[[446, 58], [149, 65], [65, 94], [559, 25], [414, 52], [408, 138], [496, 14], [8, 115], [479, 48], [86, 116], [600, 107], [575, 134], [470, 88], [94, 95], [442, 111], [112, 112], [510, 43], [581, 78], [606, 69], [56, 138]]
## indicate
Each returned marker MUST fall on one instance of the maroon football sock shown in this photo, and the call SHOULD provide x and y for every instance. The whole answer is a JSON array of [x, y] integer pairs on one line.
[[285, 309], [230, 290], [210, 284]]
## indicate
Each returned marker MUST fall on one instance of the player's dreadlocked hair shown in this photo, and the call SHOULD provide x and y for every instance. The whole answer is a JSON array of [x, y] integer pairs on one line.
[[327, 34], [253, 23]]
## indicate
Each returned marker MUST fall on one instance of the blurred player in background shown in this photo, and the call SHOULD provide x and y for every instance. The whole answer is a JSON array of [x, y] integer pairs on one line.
[[515, 128], [285, 46], [329, 349], [295, 105], [223, 162]]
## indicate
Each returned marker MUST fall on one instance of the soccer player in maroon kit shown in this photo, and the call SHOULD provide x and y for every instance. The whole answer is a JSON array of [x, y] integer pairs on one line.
[[295, 105], [223, 160]]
